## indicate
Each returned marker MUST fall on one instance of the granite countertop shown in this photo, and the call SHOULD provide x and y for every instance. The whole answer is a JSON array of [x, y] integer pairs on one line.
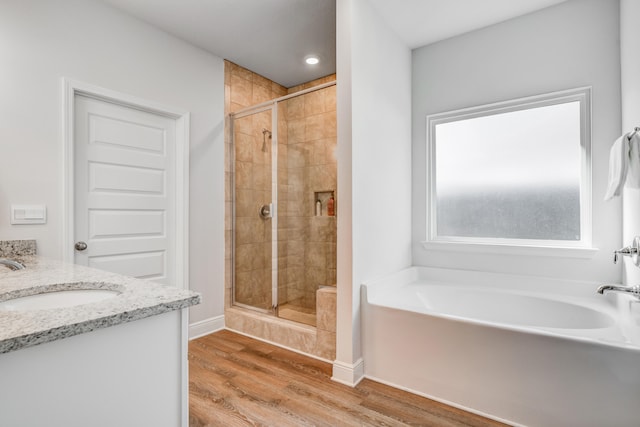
[[137, 299]]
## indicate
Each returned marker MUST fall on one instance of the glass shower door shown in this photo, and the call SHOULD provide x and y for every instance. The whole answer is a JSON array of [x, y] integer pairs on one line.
[[307, 184], [253, 209], [285, 210]]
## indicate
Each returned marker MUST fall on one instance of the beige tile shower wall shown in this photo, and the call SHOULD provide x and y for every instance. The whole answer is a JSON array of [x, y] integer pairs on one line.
[[326, 301], [244, 88], [312, 168]]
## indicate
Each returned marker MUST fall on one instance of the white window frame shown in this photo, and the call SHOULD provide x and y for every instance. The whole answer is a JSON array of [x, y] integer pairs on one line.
[[580, 248]]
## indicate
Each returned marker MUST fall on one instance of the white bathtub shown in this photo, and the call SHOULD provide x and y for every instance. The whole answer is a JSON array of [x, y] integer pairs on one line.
[[527, 351]]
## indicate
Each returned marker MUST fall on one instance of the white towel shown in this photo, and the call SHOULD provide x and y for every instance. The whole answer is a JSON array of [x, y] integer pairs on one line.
[[633, 172], [618, 166]]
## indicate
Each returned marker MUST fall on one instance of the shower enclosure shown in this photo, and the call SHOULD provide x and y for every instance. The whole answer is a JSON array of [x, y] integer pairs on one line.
[[284, 203]]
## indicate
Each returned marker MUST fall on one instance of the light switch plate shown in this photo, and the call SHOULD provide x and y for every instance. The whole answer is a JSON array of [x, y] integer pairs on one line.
[[28, 214]]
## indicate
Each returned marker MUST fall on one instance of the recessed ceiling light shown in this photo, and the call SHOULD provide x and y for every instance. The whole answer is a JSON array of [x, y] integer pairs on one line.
[[312, 60]]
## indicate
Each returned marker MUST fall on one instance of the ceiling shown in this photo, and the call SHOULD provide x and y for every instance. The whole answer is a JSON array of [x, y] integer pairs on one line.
[[269, 37], [272, 37], [422, 22]]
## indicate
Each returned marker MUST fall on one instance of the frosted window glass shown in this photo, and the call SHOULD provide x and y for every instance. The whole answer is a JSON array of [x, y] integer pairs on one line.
[[513, 175]]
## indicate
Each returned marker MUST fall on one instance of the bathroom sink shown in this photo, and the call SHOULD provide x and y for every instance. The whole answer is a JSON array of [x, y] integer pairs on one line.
[[57, 299]]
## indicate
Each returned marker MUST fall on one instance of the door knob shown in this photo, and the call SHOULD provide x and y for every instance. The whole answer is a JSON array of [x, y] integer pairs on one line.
[[80, 246]]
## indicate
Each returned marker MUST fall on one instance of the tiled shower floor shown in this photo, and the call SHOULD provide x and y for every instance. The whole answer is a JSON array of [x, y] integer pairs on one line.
[[297, 314]]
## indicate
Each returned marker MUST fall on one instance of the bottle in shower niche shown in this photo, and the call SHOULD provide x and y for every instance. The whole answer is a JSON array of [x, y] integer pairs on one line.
[[318, 208], [331, 206]]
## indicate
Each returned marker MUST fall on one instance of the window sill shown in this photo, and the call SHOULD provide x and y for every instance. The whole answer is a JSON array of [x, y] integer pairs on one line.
[[486, 248]]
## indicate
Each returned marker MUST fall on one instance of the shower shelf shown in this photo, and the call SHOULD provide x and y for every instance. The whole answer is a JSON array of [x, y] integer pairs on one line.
[[324, 197]]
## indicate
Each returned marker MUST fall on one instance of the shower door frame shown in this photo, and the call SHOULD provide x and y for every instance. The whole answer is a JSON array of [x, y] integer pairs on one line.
[[245, 112], [260, 108]]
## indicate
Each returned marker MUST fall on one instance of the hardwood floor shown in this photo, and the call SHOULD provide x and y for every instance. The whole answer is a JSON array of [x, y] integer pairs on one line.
[[237, 381]]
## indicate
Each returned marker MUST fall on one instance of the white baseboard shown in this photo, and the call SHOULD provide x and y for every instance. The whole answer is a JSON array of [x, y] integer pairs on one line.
[[348, 374], [206, 327]]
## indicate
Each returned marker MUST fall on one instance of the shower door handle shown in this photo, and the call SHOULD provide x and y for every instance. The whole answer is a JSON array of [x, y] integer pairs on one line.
[[266, 211]]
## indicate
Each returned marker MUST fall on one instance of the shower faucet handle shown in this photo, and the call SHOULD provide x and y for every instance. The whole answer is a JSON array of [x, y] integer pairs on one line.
[[633, 251], [266, 211], [626, 251]]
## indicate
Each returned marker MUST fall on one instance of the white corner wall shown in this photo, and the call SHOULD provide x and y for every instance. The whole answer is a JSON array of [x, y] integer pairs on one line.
[[569, 45], [42, 41], [630, 84], [374, 166]]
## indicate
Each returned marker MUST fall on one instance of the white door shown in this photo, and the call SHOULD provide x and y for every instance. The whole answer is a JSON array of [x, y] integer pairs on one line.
[[125, 190]]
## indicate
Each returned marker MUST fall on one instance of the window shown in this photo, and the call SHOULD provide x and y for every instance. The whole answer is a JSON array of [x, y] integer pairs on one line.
[[512, 173]]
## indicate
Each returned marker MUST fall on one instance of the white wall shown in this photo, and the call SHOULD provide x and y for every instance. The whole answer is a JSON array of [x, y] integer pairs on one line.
[[630, 60], [43, 41], [374, 161], [570, 45]]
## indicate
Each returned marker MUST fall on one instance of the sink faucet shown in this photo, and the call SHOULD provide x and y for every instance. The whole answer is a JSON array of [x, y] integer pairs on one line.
[[634, 290], [14, 265]]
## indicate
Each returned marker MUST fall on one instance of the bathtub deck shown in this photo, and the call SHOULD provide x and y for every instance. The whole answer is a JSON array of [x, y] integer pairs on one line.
[[235, 380]]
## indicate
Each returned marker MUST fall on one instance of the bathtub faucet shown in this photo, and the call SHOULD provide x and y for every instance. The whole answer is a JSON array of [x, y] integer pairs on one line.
[[634, 290]]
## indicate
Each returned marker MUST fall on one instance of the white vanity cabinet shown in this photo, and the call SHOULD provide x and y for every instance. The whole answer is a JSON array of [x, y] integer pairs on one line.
[[133, 374], [119, 361]]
